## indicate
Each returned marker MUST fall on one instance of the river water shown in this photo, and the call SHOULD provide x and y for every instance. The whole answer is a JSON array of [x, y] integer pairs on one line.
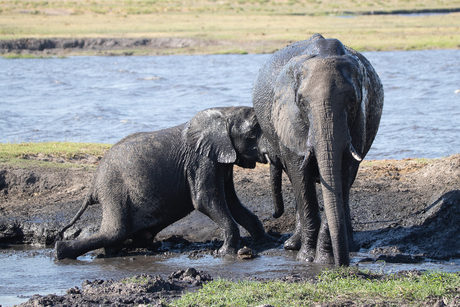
[[25, 270], [103, 99]]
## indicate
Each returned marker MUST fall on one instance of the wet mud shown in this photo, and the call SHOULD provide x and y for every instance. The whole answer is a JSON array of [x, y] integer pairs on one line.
[[403, 211], [134, 290]]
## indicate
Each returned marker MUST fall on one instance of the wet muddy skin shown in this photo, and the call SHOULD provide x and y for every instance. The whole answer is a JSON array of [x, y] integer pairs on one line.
[[405, 215]]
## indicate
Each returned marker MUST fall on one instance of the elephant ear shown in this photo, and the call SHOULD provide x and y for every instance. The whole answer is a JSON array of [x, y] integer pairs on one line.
[[372, 99], [207, 133], [289, 124]]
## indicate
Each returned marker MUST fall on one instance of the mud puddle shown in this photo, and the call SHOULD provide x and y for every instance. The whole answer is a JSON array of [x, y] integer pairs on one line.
[[25, 271]]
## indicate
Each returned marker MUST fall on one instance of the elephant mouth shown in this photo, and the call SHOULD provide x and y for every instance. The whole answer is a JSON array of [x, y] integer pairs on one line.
[[244, 163]]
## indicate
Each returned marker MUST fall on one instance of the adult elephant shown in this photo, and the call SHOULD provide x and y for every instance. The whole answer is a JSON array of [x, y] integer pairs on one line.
[[319, 104], [150, 180]]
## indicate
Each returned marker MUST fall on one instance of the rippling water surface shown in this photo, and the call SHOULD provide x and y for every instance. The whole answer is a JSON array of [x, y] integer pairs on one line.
[[103, 99]]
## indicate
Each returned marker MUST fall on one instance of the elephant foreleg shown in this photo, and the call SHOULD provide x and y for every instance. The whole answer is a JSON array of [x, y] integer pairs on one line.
[[324, 252], [241, 214], [307, 207], [208, 197]]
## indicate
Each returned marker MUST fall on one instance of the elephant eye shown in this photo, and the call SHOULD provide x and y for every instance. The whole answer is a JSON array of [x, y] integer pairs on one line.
[[251, 135]]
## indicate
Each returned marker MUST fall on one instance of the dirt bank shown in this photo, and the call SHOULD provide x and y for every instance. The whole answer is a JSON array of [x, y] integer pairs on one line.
[[402, 211], [131, 46]]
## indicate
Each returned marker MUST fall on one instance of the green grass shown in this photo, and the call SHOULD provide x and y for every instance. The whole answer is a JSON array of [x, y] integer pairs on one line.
[[340, 285], [23, 56], [28, 56], [23, 154]]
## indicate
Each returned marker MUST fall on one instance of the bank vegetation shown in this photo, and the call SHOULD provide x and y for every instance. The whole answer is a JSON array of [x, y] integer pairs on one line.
[[243, 24]]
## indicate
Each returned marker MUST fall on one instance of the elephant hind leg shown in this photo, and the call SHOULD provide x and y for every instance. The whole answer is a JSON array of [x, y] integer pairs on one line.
[[74, 248], [294, 242], [114, 229]]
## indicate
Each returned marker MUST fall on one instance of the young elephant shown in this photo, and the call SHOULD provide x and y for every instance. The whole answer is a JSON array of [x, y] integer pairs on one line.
[[150, 180]]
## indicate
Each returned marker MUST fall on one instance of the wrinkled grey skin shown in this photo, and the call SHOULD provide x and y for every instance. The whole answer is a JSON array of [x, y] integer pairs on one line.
[[150, 180], [313, 99]]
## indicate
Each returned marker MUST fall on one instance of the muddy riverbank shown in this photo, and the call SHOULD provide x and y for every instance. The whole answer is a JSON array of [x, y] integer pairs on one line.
[[409, 205], [403, 211]]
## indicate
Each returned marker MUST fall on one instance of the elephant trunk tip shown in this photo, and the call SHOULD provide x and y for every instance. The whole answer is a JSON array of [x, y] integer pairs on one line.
[[278, 213]]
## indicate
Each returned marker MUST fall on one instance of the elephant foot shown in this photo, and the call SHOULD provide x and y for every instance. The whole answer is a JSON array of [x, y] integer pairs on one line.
[[62, 251], [226, 250], [324, 252], [293, 243], [323, 257], [307, 255]]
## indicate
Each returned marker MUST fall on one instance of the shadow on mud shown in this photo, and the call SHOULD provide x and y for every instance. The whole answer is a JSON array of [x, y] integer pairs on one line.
[[435, 238]]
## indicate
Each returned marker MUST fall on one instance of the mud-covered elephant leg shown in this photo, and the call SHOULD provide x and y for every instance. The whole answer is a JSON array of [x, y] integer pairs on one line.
[[113, 231], [241, 214], [208, 197], [307, 207], [295, 241]]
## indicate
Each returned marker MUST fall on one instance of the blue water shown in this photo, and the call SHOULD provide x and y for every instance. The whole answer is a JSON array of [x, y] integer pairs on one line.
[[103, 99]]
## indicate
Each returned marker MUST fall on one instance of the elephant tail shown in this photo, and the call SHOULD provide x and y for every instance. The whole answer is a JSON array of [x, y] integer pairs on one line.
[[89, 200]]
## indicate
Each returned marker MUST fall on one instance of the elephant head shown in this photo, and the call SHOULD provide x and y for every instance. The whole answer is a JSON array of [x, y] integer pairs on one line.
[[319, 103], [227, 135], [233, 135]]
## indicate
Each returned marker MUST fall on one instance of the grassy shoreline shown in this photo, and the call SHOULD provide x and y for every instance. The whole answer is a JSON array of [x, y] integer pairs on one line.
[[242, 26], [26, 154], [51, 154], [337, 287]]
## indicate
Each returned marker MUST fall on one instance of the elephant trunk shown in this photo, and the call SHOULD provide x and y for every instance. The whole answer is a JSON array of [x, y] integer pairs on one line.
[[331, 142]]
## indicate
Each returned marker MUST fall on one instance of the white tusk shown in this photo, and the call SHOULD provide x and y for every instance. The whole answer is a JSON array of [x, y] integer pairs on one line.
[[354, 153], [268, 159], [306, 159]]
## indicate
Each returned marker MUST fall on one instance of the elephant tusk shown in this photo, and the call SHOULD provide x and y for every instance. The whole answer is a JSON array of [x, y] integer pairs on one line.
[[353, 152], [306, 159], [268, 158]]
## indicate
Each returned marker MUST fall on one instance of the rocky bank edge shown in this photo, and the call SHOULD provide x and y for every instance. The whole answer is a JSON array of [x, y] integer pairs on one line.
[[402, 211]]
